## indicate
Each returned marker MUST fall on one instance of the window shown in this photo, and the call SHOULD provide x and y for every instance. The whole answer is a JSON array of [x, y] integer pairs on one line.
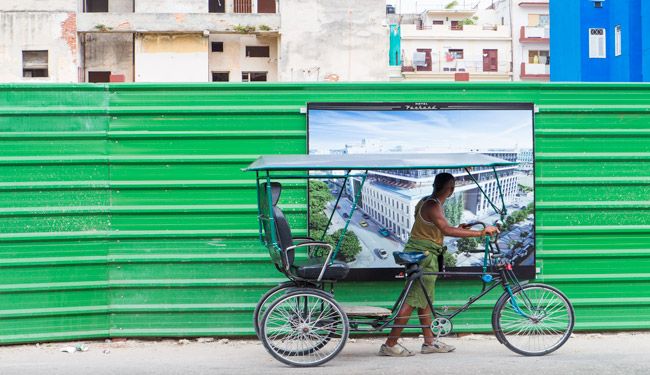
[[617, 41], [597, 44], [35, 64], [456, 53], [97, 77], [220, 76], [253, 76], [266, 6], [438, 22], [217, 46], [538, 20], [544, 20], [456, 25], [96, 6], [257, 51], [216, 6], [539, 57]]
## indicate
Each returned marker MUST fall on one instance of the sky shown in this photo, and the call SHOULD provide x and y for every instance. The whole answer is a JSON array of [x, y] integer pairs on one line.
[[409, 6], [438, 131]]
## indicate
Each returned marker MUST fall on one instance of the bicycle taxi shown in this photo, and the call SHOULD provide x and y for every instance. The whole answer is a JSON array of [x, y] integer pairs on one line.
[[301, 324]]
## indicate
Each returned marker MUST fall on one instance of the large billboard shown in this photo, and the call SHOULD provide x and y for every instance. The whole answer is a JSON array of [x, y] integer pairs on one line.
[[385, 213]]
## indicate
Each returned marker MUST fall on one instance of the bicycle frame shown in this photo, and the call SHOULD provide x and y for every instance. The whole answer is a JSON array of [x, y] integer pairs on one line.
[[414, 275]]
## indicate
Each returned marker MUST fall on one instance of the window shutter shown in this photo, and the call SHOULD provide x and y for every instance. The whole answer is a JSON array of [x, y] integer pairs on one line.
[[597, 44]]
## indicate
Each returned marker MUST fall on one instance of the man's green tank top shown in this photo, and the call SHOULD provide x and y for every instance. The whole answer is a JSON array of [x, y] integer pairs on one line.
[[425, 230]]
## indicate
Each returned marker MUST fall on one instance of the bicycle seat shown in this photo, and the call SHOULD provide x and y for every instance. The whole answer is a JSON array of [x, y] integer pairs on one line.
[[403, 258], [311, 268]]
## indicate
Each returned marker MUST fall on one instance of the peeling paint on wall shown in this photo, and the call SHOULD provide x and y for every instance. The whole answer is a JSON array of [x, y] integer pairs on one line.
[[178, 43], [69, 32]]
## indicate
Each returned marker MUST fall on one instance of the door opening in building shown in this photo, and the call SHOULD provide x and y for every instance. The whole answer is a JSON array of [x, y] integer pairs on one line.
[[217, 6], [96, 6], [220, 76], [253, 76], [99, 77]]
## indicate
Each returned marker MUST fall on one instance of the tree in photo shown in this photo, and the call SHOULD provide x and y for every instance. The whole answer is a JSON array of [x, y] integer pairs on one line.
[[454, 209], [467, 244], [319, 195], [449, 259], [350, 248]]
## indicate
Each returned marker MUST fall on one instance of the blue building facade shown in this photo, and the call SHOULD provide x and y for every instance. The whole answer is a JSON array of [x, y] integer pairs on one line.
[[600, 41]]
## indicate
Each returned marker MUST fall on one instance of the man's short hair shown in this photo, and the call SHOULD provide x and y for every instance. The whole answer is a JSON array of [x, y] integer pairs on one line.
[[442, 180]]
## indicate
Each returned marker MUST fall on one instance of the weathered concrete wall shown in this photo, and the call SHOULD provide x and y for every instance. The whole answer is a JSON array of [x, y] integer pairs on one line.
[[109, 52], [120, 6], [337, 38], [55, 32], [174, 22], [233, 58], [171, 58], [171, 6], [39, 5]]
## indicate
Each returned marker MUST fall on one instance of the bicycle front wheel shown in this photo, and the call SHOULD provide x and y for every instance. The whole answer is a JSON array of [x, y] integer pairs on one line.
[[536, 320]]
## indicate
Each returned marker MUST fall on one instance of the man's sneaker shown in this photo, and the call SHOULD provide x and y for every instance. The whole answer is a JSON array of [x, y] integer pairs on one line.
[[436, 347], [395, 351]]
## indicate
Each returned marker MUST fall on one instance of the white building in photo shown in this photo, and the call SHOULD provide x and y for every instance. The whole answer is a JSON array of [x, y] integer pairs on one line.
[[390, 197]]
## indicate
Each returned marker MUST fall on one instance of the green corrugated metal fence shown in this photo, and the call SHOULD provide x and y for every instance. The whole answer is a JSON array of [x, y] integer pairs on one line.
[[123, 210]]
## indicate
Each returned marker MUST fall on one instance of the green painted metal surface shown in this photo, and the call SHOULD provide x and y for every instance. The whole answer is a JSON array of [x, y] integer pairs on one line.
[[124, 211]]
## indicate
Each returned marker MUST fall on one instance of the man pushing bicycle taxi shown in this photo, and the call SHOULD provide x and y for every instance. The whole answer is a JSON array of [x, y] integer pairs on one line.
[[427, 235]]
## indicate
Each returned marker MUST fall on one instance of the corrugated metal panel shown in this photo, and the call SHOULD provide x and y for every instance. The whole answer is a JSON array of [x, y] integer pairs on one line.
[[124, 211]]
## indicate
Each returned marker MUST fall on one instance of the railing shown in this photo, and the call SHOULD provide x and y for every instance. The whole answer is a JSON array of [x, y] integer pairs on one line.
[[465, 65], [243, 6], [530, 70], [534, 32]]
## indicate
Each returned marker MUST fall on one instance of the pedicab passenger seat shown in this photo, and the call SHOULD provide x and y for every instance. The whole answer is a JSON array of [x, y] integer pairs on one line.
[[404, 258], [309, 269]]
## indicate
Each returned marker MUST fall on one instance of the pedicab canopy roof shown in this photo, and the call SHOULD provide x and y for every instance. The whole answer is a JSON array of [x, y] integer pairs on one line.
[[374, 161]]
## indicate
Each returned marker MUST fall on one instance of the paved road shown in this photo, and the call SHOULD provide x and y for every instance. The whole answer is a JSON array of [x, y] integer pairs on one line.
[[589, 354]]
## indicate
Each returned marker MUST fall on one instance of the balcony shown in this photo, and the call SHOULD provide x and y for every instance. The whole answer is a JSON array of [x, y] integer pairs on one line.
[[533, 4], [477, 32], [447, 71], [535, 71], [534, 34], [266, 23]]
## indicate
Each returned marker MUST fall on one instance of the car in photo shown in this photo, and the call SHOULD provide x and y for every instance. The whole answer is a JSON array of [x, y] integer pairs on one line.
[[366, 216], [381, 253], [384, 232], [345, 215], [363, 223]]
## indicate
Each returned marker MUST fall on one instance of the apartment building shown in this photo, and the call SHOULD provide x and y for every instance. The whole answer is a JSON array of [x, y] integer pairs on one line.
[[191, 40], [530, 39], [456, 42], [601, 41], [506, 41]]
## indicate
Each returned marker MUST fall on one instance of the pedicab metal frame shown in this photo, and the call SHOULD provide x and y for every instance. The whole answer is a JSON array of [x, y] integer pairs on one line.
[[495, 270]]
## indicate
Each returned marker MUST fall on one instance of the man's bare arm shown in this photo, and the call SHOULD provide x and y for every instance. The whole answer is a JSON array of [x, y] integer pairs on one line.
[[438, 218]]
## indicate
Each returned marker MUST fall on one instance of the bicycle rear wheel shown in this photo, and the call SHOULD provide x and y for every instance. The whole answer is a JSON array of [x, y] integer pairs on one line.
[[266, 301], [304, 328], [536, 320]]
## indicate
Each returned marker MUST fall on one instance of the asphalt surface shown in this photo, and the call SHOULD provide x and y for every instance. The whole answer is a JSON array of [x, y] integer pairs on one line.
[[617, 353]]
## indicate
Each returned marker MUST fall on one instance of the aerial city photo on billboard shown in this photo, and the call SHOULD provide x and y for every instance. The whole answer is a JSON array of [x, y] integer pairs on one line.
[[384, 216]]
